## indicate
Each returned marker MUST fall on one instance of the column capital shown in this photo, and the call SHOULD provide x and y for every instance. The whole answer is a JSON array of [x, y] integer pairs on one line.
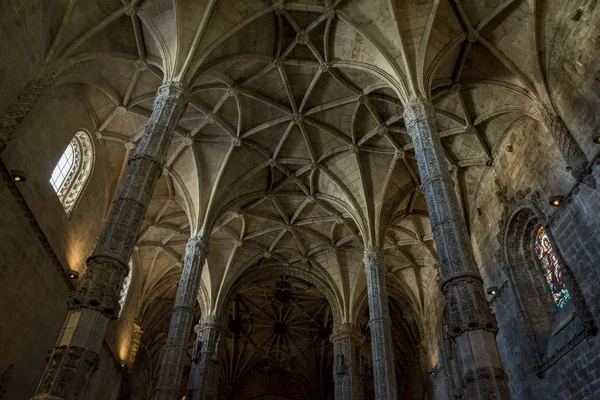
[[197, 243], [210, 322], [373, 256], [347, 331], [418, 109]]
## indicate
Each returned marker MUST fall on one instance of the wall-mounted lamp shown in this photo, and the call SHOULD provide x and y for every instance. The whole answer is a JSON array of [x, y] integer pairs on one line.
[[492, 290], [73, 274], [556, 201], [123, 364], [18, 176]]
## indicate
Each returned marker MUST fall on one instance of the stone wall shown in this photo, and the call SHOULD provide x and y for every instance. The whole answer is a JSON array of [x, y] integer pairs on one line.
[[535, 164], [33, 276]]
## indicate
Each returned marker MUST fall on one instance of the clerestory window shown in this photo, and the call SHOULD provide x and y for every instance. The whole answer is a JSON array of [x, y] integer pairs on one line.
[[73, 170]]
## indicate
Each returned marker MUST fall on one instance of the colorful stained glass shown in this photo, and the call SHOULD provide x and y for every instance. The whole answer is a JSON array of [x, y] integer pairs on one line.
[[552, 273]]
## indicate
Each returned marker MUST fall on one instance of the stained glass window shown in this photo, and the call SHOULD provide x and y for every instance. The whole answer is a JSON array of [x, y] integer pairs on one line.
[[552, 273], [72, 170]]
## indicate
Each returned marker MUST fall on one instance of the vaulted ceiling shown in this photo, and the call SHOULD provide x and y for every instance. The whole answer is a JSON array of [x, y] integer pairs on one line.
[[293, 152]]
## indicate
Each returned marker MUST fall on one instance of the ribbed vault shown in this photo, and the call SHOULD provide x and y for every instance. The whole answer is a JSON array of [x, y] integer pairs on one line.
[[293, 150]]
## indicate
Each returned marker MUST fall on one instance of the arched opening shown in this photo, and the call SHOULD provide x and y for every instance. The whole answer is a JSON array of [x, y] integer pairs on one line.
[[278, 342], [73, 170], [409, 353], [551, 268]]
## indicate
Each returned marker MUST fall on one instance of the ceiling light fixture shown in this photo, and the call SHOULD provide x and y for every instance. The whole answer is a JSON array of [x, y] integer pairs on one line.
[[556, 201], [492, 290], [18, 176], [73, 274]]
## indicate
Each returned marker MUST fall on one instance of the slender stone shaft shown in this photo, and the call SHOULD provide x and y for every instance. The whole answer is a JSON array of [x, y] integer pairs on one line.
[[204, 376], [174, 355], [347, 379], [384, 373], [470, 321], [96, 300]]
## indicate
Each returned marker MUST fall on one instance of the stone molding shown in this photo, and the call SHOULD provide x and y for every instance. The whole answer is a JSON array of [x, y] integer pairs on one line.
[[23, 104]]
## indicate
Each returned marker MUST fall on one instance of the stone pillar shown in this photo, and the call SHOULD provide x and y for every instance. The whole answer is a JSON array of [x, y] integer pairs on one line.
[[74, 359], [174, 354], [346, 368], [470, 321], [384, 372], [204, 376]]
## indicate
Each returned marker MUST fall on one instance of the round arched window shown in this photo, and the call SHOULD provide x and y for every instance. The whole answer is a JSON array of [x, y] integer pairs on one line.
[[73, 170]]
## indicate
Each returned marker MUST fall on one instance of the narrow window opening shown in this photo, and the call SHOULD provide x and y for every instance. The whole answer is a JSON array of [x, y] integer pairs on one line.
[[551, 268], [72, 171]]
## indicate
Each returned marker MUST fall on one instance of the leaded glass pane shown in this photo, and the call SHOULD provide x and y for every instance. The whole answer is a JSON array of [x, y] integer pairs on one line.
[[63, 168], [552, 273]]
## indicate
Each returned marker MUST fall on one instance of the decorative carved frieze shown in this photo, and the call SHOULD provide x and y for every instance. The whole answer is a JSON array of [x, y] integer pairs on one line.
[[68, 371], [23, 104]]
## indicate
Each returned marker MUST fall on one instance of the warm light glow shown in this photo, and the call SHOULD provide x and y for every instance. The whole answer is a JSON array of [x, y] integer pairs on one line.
[[72, 276], [556, 201]]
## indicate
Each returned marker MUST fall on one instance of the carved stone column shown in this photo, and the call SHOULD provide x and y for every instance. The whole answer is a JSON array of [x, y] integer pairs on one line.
[[470, 321], [96, 300], [346, 369], [204, 376], [384, 372], [174, 355], [569, 148]]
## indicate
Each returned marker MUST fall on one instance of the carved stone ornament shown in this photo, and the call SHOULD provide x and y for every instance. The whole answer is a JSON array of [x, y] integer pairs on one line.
[[67, 373], [100, 287], [417, 110]]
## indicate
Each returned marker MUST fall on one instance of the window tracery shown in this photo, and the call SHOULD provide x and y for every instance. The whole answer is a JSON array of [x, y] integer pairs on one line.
[[73, 170], [552, 273]]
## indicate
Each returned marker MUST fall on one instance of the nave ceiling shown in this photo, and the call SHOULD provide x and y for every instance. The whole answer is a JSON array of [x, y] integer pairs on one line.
[[293, 152]]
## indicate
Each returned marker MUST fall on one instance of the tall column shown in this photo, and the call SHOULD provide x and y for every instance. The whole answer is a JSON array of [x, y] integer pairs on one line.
[[174, 354], [346, 373], [96, 300], [204, 376], [470, 321], [384, 372]]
